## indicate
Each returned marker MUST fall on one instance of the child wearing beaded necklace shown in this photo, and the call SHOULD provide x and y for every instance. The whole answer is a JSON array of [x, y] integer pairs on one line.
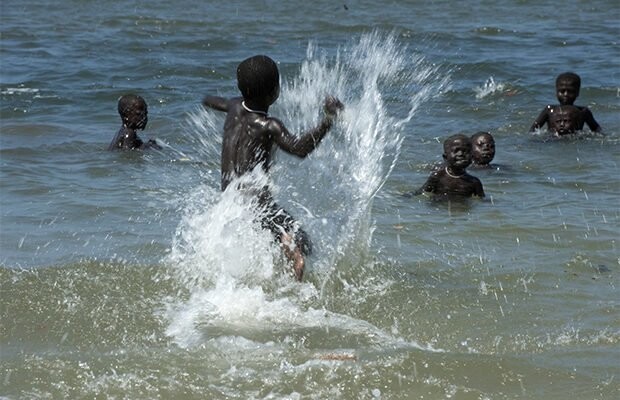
[[250, 134], [453, 180]]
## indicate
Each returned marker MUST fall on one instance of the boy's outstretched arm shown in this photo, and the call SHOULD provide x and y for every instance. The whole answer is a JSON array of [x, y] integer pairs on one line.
[[416, 192], [589, 119], [542, 119], [303, 145], [478, 190], [430, 186], [215, 102]]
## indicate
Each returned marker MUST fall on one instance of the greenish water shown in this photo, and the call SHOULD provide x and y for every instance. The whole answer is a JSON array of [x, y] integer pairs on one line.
[[131, 275]]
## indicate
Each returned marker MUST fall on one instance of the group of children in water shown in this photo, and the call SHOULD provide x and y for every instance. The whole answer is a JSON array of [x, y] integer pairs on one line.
[[250, 135]]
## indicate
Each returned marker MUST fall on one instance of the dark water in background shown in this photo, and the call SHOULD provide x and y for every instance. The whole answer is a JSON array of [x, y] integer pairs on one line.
[[127, 275]]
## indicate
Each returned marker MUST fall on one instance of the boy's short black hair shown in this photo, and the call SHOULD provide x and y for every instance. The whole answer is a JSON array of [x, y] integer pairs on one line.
[[479, 134], [257, 76], [568, 76], [453, 138], [128, 102]]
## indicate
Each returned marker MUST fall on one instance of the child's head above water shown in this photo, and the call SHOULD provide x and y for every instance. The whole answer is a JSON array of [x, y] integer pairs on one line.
[[483, 148], [457, 151], [564, 120], [567, 87], [133, 111], [573, 118], [453, 179], [258, 79]]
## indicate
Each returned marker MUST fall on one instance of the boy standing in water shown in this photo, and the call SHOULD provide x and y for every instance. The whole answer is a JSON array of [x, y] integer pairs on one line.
[[249, 138], [566, 118], [134, 114], [483, 149], [452, 179]]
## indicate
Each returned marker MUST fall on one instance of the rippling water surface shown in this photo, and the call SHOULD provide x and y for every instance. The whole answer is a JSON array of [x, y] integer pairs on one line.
[[129, 275]]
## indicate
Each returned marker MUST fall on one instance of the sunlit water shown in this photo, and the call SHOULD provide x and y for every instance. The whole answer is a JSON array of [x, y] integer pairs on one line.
[[129, 275], [234, 272]]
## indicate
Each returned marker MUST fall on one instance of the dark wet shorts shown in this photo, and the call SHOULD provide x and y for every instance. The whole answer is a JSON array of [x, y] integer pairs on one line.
[[278, 221]]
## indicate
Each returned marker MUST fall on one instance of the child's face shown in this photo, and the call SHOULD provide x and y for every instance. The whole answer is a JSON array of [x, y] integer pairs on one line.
[[483, 149], [567, 92], [458, 153], [562, 121], [136, 117]]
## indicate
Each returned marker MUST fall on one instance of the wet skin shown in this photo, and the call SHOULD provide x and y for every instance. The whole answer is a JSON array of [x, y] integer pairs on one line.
[[453, 180], [483, 150], [567, 92], [250, 136], [565, 120], [133, 119]]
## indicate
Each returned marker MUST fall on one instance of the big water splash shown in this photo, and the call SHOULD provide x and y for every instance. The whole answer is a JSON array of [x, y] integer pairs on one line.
[[237, 281]]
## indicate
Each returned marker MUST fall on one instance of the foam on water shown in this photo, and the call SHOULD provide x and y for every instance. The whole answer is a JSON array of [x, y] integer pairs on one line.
[[489, 87], [237, 280]]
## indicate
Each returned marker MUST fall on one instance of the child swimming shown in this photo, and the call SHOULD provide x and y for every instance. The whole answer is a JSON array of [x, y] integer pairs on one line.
[[453, 179], [566, 118], [134, 115]]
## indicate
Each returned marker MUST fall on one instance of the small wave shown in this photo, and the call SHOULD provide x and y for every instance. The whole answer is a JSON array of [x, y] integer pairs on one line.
[[489, 30], [18, 90], [489, 87], [250, 313]]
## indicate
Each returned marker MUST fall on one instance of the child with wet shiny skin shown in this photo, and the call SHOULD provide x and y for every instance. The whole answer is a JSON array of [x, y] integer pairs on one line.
[[566, 118], [134, 115], [250, 135], [483, 150], [453, 180]]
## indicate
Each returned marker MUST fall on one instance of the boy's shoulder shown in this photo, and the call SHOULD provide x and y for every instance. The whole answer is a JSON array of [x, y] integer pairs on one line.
[[439, 168], [568, 107], [438, 172], [582, 108], [471, 178]]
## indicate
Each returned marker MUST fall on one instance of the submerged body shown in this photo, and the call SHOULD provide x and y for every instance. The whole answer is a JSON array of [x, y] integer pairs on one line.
[[444, 182], [452, 180], [566, 118], [127, 139], [134, 115]]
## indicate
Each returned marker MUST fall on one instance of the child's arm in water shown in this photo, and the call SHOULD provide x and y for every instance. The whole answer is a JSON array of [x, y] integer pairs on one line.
[[304, 144], [216, 103], [430, 186], [542, 119], [478, 190], [588, 118]]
